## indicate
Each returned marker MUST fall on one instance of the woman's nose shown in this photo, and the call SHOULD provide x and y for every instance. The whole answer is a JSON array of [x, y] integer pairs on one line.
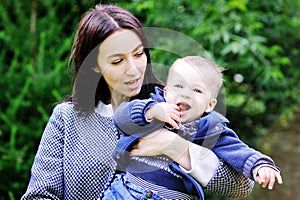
[[131, 67]]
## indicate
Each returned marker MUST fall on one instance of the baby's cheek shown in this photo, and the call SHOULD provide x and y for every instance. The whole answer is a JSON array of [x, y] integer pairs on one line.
[[199, 109], [170, 98]]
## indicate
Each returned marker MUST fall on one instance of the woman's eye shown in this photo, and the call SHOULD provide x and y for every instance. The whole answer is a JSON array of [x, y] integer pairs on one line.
[[117, 61], [139, 54]]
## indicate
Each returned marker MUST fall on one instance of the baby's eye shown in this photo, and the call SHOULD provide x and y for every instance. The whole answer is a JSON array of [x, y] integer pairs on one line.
[[197, 90], [178, 86], [117, 61]]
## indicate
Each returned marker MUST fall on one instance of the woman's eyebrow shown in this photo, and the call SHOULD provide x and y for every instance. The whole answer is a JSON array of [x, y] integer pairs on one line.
[[120, 54]]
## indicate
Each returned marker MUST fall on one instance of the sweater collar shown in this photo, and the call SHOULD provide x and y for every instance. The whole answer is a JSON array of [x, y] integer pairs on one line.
[[104, 110]]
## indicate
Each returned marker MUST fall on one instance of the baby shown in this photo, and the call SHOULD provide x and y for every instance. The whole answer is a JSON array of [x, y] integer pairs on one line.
[[186, 105]]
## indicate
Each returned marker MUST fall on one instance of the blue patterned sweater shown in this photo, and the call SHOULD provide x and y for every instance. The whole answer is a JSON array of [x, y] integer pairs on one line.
[[74, 159]]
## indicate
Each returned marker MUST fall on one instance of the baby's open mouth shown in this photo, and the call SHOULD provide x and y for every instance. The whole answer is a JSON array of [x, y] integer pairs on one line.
[[183, 106]]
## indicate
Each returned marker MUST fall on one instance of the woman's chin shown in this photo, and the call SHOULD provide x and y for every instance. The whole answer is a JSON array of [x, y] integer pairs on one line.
[[135, 92]]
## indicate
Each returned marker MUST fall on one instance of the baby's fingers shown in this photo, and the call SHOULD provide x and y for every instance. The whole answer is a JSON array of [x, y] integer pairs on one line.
[[267, 177], [260, 178], [271, 180], [273, 176], [173, 124], [279, 178]]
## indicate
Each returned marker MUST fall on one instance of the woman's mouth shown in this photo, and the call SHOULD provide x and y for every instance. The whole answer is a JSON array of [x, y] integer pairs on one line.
[[133, 84]]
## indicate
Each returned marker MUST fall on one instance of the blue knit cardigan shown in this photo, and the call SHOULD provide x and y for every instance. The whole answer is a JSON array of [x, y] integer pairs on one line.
[[212, 132]]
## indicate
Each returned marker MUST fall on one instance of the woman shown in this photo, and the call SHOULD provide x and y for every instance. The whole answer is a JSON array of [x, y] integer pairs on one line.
[[111, 65]]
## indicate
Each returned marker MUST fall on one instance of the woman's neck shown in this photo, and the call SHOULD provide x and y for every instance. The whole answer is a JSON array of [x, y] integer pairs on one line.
[[117, 99]]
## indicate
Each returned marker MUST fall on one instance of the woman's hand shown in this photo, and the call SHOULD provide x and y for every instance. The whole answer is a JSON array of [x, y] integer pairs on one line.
[[164, 142]]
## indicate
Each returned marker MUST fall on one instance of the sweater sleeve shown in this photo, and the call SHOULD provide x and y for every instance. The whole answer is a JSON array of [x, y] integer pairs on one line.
[[204, 163], [235, 185], [46, 180], [210, 171]]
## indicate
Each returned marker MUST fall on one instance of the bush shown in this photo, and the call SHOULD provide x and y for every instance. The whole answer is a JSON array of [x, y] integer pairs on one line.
[[35, 45]]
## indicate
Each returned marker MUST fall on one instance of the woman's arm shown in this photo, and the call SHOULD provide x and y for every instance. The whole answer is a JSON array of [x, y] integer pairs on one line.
[[199, 162], [46, 180], [235, 185]]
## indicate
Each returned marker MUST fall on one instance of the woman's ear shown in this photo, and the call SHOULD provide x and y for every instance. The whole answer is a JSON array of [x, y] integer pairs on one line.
[[211, 105], [96, 69]]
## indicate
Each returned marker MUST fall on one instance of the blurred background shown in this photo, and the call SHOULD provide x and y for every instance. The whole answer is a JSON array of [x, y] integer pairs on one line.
[[257, 41]]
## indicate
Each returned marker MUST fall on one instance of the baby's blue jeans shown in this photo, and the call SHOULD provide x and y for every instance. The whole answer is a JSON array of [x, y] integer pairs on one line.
[[121, 188]]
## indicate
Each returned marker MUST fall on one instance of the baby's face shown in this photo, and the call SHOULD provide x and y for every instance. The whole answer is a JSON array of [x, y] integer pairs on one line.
[[187, 88]]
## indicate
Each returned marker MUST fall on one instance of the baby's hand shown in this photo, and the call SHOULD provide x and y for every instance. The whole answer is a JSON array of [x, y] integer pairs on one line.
[[267, 176], [165, 112]]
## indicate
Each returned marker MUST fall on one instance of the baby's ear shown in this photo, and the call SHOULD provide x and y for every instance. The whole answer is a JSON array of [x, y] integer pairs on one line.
[[165, 91], [211, 105]]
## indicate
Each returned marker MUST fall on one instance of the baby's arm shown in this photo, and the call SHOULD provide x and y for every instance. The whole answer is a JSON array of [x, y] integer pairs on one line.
[[266, 176], [164, 112]]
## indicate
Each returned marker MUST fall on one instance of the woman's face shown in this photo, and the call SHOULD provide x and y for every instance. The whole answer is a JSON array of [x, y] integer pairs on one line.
[[122, 62]]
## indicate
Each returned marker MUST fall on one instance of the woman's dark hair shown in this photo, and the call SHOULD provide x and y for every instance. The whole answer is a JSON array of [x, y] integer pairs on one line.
[[94, 27]]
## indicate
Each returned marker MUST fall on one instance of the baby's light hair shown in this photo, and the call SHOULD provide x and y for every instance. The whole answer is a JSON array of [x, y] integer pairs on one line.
[[197, 62]]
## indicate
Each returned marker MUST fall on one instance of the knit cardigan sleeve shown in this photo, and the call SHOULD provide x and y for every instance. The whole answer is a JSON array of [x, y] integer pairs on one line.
[[129, 118]]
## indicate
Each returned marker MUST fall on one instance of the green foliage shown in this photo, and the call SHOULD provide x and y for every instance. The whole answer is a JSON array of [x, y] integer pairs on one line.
[[35, 43], [256, 39]]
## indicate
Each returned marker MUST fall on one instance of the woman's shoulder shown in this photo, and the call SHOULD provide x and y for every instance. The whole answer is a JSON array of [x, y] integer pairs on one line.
[[64, 106], [69, 111], [64, 109]]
